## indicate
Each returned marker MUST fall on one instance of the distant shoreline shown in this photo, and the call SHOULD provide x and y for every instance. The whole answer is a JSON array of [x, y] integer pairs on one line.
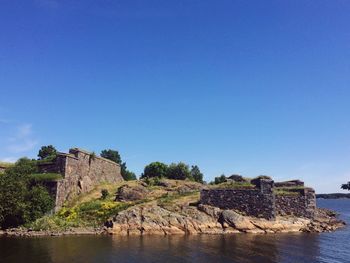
[[333, 196]]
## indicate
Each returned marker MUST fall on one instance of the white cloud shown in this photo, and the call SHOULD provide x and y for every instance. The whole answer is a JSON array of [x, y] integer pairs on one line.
[[23, 146], [23, 141], [9, 159], [24, 130]]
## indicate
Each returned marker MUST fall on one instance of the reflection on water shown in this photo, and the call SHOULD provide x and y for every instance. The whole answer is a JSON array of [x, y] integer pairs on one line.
[[203, 248], [298, 247]]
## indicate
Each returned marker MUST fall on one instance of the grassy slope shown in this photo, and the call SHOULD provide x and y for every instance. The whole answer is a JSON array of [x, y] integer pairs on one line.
[[90, 210], [6, 165]]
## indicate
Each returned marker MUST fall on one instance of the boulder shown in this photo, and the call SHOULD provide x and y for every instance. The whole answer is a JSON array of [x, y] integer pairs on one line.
[[236, 220], [237, 178], [211, 211], [131, 193]]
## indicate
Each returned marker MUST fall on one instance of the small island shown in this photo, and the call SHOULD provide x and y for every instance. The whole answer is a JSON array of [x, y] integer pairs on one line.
[[82, 193]]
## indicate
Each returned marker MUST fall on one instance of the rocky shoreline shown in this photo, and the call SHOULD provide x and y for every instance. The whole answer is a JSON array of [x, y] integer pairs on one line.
[[25, 232], [152, 219], [174, 208]]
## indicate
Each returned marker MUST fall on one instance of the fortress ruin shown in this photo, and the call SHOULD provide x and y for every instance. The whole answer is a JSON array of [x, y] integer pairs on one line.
[[266, 200], [81, 171]]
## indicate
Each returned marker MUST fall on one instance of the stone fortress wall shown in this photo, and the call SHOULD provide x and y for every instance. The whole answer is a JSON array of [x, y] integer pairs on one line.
[[299, 201], [264, 201], [81, 171]]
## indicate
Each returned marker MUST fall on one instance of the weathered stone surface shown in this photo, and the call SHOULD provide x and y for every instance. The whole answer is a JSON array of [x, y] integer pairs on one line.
[[258, 202], [152, 219], [262, 201], [301, 203], [188, 187], [131, 193], [324, 221], [81, 171], [212, 211], [236, 220]]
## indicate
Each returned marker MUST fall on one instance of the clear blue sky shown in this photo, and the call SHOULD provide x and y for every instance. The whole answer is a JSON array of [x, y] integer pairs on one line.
[[239, 86]]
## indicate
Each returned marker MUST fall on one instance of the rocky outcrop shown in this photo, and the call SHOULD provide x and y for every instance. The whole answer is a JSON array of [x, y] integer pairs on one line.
[[152, 219], [131, 193], [181, 188], [325, 221]]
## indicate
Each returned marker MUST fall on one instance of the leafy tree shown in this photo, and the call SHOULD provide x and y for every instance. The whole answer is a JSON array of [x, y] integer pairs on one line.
[[47, 152], [346, 186], [114, 156], [129, 176], [20, 200], [196, 174], [155, 169], [179, 171], [12, 200], [38, 202], [220, 179]]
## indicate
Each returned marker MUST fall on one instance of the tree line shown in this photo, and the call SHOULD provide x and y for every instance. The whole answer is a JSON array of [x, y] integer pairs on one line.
[[177, 171]]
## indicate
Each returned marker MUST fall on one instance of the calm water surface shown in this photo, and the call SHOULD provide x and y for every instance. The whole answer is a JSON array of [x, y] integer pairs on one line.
[[300, 247]]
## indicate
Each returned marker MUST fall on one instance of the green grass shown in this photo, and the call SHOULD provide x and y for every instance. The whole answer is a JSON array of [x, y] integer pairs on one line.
[[234, 185], [169, 198], [292, 190], [282, 192], [91, 210], [92, 213], [6, 164], [46, 177]]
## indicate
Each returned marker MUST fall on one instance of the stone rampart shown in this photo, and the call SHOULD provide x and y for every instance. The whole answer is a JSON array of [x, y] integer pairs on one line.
[[81, 171], [263, 201], [298, 202], [259, 202]]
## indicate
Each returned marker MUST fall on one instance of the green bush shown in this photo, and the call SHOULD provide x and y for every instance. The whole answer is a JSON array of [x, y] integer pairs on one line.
[[46, 177], [219, 179], [155, 169], [196, 174], [129, 176], [179, 171], [23, 166], [47, 152], [39, 202], [104, 194], [155, 181], [20, 201]]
